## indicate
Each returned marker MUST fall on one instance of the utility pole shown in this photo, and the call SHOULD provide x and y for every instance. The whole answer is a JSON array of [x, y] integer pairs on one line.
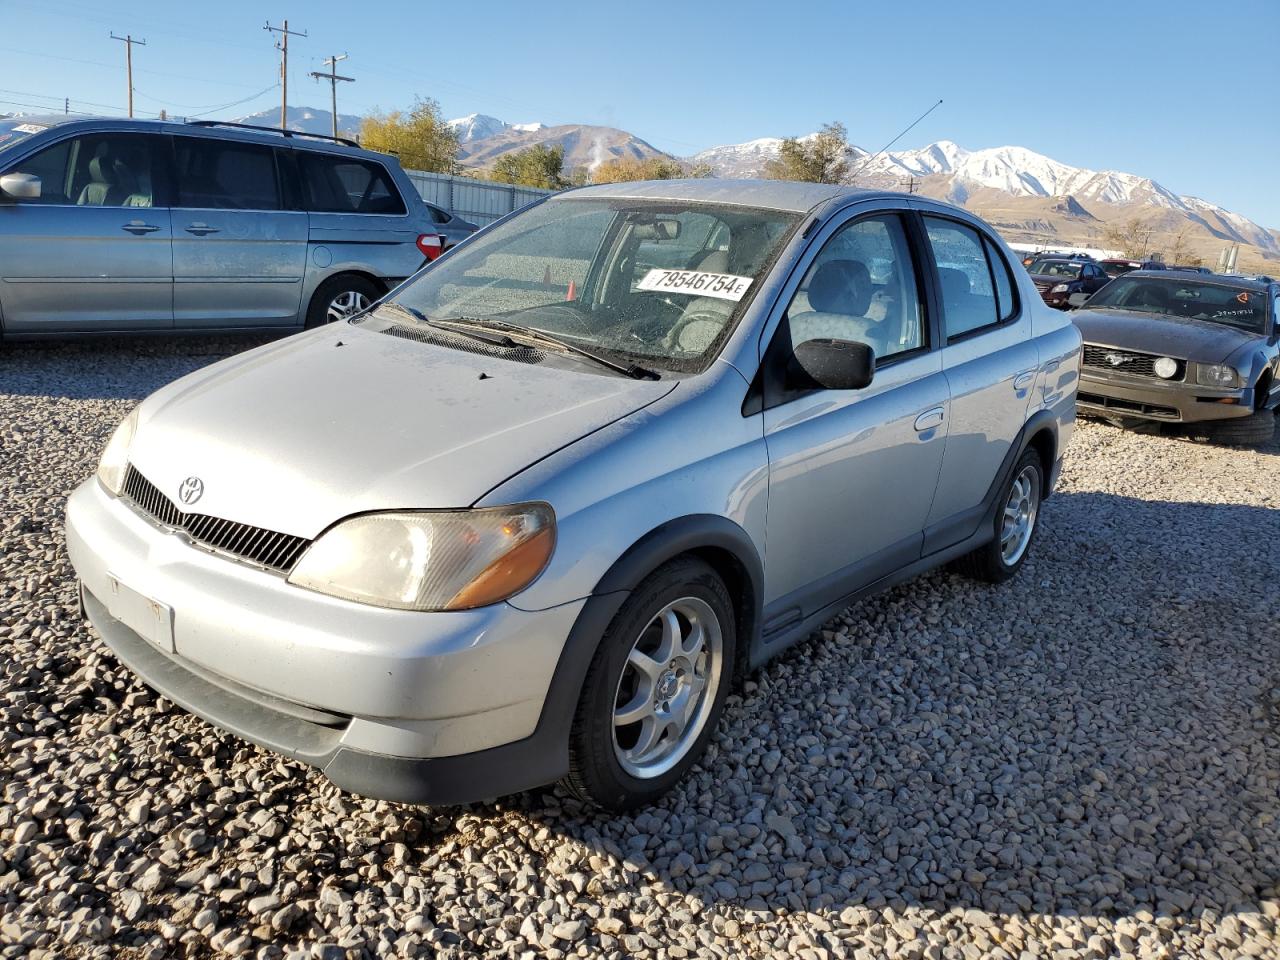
[[909, 184], [283, 46], [128, 42], [333, 78]]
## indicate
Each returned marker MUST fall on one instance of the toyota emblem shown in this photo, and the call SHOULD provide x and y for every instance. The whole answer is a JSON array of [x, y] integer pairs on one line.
[[192, 489]]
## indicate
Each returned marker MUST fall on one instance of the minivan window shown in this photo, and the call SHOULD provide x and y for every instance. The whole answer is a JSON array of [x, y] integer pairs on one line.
[[225, 175], [861, 286], [97, 170], [968, 298], [347, 185], [437, 215]]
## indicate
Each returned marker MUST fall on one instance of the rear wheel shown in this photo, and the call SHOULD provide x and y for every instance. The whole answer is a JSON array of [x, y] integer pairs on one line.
[[654, 692], [1016, 522], [340, 298]]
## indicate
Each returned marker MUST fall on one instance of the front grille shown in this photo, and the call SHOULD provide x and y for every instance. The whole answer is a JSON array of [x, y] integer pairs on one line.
[[1128, 406], [1127, 361], [265, 548]]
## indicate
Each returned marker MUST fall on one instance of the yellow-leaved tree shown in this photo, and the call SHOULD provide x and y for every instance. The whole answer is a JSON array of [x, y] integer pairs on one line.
[[419, 138]]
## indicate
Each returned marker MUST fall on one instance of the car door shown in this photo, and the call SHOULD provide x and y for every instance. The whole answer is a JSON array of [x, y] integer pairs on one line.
[[1094, 279], [851, 472], [94, 250], [990, 364], [238, 254]]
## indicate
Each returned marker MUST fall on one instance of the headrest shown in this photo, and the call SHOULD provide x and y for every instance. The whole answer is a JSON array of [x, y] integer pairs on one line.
[[102, 168], [955, 283], [717, 261], [841, 286]]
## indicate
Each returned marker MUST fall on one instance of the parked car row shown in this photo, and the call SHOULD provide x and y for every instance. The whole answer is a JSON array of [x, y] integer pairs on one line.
[[133, 225]]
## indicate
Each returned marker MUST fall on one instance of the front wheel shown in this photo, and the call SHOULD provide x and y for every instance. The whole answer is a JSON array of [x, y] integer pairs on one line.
[[654, 692], [1252, 431], [1015, 525]]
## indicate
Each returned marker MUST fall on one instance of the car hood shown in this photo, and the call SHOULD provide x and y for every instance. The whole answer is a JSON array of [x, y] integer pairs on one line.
[[300, 433], [1178, 337]]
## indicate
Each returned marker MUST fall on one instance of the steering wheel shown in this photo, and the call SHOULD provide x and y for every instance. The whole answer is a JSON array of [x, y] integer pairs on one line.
[[700, 315]]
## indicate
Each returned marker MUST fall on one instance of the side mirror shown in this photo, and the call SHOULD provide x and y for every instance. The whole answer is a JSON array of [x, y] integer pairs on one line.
[[832, 365], [20, 186]]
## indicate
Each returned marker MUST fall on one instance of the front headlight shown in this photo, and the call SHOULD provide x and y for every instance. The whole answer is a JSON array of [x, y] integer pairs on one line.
[[431, 559], [1166, 367], [1216, 375], [115, 458], [1060, 288]]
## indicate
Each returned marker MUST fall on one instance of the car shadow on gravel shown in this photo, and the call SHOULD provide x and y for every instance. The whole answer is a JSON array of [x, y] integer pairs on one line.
[[111, 368], [1098, 737], [1272, 447]]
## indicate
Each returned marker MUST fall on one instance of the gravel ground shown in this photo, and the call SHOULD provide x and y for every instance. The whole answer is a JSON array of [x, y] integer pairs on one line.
[[1082, 763]]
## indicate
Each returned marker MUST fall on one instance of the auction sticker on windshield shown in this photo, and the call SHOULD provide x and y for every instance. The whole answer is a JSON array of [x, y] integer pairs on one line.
[[696, 283]]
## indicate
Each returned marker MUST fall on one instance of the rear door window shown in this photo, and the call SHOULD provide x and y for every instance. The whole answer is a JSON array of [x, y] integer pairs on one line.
[[225, 175], [964, 275], [335, 184], [1006, 300]]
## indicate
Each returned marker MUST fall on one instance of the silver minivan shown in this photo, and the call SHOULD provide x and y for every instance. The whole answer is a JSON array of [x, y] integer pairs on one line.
[[581, 475], [134, 225]]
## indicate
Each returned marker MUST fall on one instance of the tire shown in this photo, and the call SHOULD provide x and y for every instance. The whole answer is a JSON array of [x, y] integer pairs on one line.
[[610, 765], [325, 307], [998, 560], [1254, 430]]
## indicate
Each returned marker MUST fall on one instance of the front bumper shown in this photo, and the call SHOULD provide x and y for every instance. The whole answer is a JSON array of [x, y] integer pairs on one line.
[[339, 685], [1167, 401]]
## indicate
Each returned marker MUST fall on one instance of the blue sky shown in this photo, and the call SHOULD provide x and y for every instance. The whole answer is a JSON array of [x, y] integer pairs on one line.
[[1184, 92]]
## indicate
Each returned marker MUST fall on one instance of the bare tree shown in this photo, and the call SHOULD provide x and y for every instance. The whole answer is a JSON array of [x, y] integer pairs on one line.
[[1133, 237]]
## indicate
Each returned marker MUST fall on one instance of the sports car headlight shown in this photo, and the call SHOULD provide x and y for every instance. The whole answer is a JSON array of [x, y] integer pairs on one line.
[[1061, 288], [1216, 375], [431, 559], [115, 458]]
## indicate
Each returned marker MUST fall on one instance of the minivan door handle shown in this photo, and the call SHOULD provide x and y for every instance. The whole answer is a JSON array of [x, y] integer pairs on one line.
[[930, 419], [200, 229], [1023, 380], [138, 228]]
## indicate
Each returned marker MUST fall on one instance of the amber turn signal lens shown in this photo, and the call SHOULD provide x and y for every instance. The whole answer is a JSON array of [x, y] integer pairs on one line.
[[509, 574]]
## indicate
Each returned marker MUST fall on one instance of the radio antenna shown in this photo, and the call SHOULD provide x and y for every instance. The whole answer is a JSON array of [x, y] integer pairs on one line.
[[867, 160]]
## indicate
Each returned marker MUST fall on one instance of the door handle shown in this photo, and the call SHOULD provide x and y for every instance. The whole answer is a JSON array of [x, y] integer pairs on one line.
[[1023, 380], [138, 228], [930, 419], [201, 229]]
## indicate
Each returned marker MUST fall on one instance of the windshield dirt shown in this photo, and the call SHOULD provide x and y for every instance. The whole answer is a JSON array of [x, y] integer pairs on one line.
[[1219, 303], [662, 283]]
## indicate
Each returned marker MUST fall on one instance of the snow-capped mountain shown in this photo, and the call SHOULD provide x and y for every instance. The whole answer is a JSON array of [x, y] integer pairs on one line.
[[305, 120], [480, 126], [1013, 170]]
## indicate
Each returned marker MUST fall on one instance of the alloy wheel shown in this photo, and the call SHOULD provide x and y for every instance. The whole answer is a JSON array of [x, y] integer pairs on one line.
[[1019, 518], [345, 305], [668, 687]]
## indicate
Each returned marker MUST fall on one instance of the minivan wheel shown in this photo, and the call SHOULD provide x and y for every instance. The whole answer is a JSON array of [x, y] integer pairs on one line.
[[654, 691], [1016, 521], [340, 298]]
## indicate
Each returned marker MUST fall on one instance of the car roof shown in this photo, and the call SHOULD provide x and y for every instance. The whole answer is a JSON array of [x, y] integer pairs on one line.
[[771, 194], [1253, 284], [230, 132]]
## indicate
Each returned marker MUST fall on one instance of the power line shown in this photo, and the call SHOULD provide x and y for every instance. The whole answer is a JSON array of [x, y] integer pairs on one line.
[[129, 44], [333, 78], [283, 46]]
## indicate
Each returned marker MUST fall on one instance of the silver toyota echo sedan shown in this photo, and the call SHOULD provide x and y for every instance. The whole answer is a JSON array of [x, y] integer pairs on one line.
[[531, 516]]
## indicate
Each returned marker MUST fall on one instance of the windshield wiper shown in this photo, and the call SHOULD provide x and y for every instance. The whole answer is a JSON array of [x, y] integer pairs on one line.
[[632, 370], [421, 317]]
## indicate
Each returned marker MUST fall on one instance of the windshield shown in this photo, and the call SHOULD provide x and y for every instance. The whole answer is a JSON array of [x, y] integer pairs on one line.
[[662, 283], [1190, 299], [1055, 268], [1117, 269], [14, 130]]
